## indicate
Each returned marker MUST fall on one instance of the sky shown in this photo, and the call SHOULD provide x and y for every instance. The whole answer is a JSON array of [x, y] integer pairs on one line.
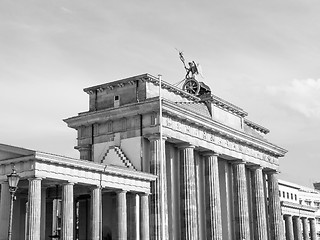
[[263, 56]]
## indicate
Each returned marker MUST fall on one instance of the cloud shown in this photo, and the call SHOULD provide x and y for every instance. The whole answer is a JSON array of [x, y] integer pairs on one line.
[[66, 10], [302, 96]]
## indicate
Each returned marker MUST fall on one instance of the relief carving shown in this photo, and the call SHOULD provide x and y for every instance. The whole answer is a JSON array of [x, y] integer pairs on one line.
[[195, 132], [240, 148], [204, 135], [211, 138], [187, 128], [235, 146]]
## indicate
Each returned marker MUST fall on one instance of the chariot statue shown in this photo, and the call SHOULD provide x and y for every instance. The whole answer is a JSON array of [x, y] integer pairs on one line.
[[191, 84]]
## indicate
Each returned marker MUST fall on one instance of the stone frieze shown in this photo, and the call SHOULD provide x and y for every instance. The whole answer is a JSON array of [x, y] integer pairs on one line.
[[216, 138]]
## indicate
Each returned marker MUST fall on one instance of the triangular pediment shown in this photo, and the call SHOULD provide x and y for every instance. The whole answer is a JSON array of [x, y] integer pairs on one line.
[[116, 157], [11, 152]]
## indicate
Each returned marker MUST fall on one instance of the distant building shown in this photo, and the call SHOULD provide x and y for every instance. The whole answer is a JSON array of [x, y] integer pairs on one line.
[[301, 210], [207, 172]]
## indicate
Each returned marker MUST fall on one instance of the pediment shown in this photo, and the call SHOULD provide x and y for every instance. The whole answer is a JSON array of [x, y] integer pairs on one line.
[[10, 152], [115, 156]]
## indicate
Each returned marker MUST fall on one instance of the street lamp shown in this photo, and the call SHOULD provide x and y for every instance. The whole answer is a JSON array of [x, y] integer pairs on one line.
[[13, 180]]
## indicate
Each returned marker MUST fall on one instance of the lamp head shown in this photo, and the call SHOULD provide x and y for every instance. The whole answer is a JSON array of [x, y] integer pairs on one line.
[[13, 180]]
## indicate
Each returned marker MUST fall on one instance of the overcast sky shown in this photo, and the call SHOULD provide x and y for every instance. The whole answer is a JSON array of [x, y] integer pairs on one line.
[[263, 56]]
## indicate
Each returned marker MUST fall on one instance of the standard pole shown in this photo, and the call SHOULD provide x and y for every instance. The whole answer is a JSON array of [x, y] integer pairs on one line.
[[10, 216], [161, 161]]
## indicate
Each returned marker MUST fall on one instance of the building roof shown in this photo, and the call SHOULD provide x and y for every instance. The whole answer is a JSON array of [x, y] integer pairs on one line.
[[196, 107], [297, 186]]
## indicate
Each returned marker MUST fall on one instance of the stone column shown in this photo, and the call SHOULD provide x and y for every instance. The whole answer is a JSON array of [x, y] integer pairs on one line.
[[122, 215], [259, 206], [188, 195], [158, 206], [136, 213], [305, 229], [43, 213], [144, 218], [313, 230], [67, 211], [275, 218], [133, 216], [96, 209], [213, 206], [289, 227], [242, 224], [34, 209], [297, 228], [4, 210]]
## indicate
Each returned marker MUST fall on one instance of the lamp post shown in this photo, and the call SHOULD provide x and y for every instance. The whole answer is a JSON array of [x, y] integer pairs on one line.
[[13, 180]]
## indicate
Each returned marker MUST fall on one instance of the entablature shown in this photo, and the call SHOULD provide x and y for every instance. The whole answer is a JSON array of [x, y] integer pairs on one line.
[[294, 209], [186, 120], [92, 117], [256, 126], [50, 166], [142, 78]]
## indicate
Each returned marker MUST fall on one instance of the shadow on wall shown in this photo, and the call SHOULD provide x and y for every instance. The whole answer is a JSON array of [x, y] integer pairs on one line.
[[106, 233]]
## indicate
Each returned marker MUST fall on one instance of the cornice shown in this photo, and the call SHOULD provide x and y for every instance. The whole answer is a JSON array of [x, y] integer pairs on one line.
[[92, 166], [14, 149], [114, 84], [91, 117], [219, 102], [142, 78], [256, 126], [298, 206]]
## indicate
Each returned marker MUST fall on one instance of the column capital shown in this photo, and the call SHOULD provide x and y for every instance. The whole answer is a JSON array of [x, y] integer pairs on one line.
[[155, 137], [143, 194], [210, 153], [271, 171], [95, 187], [255, 167], [34, 178], [184, 145], [237, 162], [68, 183], [120, 191], [287, 215]]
